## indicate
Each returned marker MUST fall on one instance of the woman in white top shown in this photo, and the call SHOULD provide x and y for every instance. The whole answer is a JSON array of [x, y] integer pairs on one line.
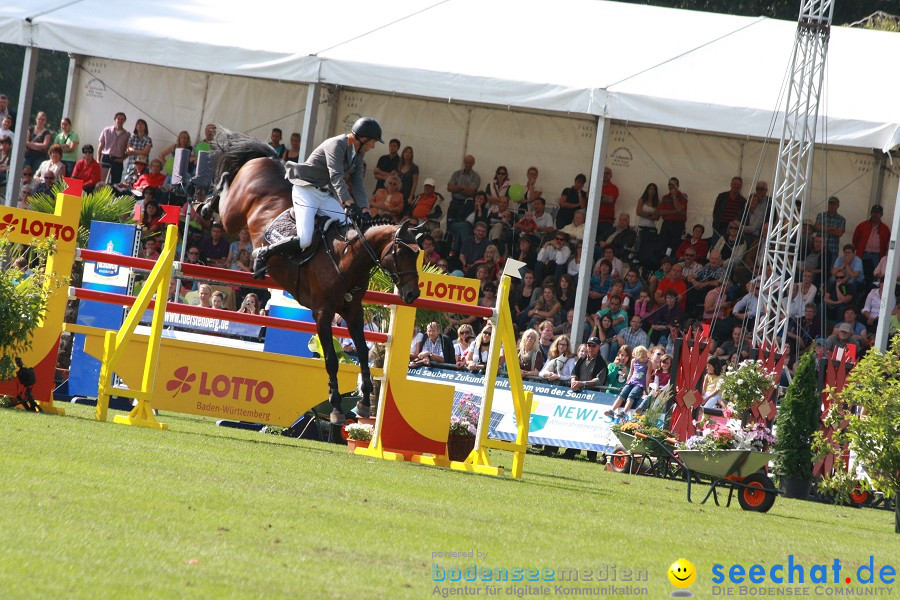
[[805, 294], [559, 361], [647, 210]]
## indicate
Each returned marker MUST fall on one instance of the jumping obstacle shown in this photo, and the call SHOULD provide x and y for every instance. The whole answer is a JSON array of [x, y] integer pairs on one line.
[[197, 378], [25, 227]]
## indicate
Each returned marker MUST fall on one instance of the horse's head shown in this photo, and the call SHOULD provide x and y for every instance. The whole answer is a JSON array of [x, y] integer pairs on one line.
[[400, 259]]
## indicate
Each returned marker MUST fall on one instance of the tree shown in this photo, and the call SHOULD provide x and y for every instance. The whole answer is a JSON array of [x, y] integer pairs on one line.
[[49, 82], [798, 419], [874, 434]]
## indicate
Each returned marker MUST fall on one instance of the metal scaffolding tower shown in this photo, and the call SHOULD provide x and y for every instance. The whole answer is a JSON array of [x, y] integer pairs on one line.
[[792, 174]]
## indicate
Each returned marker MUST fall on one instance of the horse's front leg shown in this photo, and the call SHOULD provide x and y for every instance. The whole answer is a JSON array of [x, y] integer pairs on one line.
[[323, 326], [357, 333]]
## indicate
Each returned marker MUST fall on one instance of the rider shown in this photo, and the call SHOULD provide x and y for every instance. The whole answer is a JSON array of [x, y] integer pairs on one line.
[[320, 187]]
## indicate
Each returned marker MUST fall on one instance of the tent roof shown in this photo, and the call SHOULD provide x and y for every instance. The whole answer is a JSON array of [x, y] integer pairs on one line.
[[677, 68]]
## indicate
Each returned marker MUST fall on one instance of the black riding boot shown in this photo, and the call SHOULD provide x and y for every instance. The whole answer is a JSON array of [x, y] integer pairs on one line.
[[261, 255]]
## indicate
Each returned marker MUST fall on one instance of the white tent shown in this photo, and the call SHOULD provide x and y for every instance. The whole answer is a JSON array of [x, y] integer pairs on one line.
[[683, 69]]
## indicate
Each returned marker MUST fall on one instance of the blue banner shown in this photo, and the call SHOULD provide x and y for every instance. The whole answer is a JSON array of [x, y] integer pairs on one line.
[[206, 325]]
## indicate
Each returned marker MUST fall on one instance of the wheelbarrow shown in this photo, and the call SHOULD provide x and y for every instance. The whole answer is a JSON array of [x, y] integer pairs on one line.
[[646, 455], [737, 470]]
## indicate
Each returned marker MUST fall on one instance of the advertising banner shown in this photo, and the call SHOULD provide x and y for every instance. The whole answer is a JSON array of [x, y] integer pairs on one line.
[[559, 416], [113, 238]]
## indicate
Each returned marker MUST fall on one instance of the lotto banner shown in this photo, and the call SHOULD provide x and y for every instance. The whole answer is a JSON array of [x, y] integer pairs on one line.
[[559, 416]]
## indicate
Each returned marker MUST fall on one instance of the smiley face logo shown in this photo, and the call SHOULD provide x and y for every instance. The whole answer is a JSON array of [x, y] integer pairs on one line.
[[682, 573]]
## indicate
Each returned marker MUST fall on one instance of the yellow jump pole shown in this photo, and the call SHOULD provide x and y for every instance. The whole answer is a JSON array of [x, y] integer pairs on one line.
[[115, 343]]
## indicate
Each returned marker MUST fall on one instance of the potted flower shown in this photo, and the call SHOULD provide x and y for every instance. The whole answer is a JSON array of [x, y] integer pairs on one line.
[[463, 426], [745, 385], [358, 436], [798, 420]]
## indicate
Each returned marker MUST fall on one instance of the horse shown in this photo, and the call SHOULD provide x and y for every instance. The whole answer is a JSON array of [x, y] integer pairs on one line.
[[251, 191]]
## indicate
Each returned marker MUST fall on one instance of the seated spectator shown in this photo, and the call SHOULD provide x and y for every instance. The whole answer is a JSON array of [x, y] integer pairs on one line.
[[151, 214], [618, 314], [575, 229], [590, 370], [530, 357], [838, 295], [634, 335], [545, 331], [250, 305], [436, 349], [522, 297], [427, 206], [667, 321], [600, 283], [560, 362], [45, 184], [526, 252], [841, 339], [737, 348], [472, 250], [477, 355], [689, 265], [815, 259], [747, 308], [388, 201], [546, 307], [872, 308], [87, 169], [214, 249], [850, 265], [617, 289], [204, 296], [54, 163], [858, 333], [234, 248], [492, 260], [545, 225], [218, 300], [731, 246], [618, 267], [464, 337], [643, 307], [617, 371], [695, 242], [526, 226], [632, 286], [565, 328], [805, 292], [5, 156], [431, 257], [553, 257], [804, 330], [152, 178], [712, 383], [244, 262], [480, 210], [622, 238], [675, 281], [605, 334], [565, 291], [500, 221]]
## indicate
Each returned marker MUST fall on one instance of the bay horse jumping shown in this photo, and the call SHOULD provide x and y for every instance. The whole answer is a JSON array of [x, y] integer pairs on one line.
[[252, 190]]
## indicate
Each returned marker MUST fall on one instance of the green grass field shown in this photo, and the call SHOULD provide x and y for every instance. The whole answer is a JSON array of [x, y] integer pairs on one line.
[[99, 510]]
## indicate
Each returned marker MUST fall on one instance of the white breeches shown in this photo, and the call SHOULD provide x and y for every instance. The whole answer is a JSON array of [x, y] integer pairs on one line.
[[310, 201]]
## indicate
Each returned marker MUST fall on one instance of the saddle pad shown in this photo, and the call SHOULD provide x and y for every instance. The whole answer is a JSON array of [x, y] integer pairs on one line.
[[284, 226]]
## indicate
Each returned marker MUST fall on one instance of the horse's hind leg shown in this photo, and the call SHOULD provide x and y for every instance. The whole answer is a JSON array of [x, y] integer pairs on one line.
[[355, 325], [323, 326]]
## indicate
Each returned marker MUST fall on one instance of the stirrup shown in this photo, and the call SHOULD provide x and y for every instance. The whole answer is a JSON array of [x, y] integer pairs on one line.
[[262, 254]]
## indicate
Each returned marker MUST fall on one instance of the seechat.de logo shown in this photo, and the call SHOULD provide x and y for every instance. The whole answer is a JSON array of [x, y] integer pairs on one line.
[[37, 227], [220, 386]]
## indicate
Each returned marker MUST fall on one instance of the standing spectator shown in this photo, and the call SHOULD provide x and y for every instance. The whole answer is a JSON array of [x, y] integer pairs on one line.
[[647, 211], [408, 172], [87, 169], [6, 127], [293, 153], [571, 200], [183, 141], [5, 156], [609, 193], [139, 144], [387, 164], [204, 145], [112, 147], [68, 141], [38, 141], [499, 186], [673, 212], [276, 143], [462, 187], [870, 239], [757, 213], [729, 207], [6, 111], [832, 225]]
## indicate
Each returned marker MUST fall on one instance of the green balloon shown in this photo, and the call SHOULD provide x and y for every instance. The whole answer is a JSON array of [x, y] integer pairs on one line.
[[516, 192]]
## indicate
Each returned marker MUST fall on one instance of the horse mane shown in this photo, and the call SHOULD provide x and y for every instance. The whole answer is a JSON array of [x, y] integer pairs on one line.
[[232, 149], [376, 222]]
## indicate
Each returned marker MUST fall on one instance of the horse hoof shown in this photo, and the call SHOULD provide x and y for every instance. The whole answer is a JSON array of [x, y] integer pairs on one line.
[[363, 411], [337, 418]]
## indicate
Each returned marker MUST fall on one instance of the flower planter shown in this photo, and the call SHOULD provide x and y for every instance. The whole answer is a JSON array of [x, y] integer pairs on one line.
[[352, 445], [459, 446]]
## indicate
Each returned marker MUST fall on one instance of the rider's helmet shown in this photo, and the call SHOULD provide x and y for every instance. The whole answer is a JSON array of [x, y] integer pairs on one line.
[[367, 127]]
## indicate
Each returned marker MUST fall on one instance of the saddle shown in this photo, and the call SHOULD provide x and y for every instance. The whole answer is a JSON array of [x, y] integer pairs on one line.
[[281, 239]]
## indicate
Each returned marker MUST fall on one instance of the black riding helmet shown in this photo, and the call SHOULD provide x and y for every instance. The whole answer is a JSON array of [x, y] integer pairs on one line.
[[367, 127]]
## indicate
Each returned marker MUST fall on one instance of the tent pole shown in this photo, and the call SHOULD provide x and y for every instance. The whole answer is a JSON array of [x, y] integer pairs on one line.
[[310, 118], [890, 278], [70, 88], [590, 229], [23, 118]]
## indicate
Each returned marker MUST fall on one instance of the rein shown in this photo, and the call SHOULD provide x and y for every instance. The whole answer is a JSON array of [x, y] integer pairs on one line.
[[396, 243]]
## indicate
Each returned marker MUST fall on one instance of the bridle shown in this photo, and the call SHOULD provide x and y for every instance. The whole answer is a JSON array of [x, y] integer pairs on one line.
[[378, 262]]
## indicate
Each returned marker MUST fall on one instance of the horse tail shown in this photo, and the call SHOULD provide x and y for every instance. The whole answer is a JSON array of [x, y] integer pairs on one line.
[[231, 151]]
